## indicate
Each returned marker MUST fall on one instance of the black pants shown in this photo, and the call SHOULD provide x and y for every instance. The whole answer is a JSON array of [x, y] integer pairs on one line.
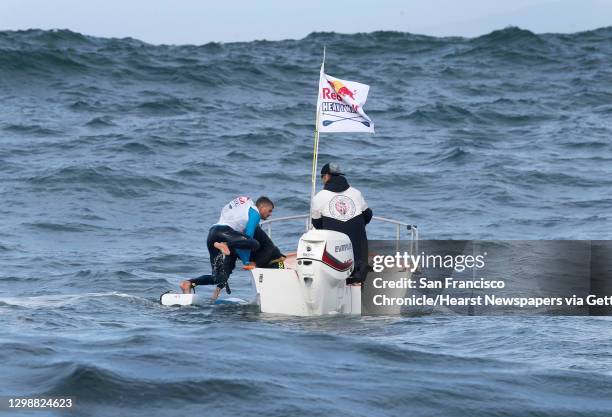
[[222, 266], [360, 271]]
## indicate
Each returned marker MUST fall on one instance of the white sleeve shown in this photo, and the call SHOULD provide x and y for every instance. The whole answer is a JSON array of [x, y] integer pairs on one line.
[[315, 211], [362, 203]]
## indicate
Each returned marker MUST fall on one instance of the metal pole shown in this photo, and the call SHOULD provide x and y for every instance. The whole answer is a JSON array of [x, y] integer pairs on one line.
[[411, 242], [315, 156], [397, 237]]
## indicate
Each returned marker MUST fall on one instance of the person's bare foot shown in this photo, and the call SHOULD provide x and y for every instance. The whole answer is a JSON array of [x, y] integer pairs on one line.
[[186, 287], [216, 293], [222, 246]]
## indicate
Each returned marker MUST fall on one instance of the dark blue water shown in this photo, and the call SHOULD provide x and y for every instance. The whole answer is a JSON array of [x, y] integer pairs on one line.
[[116, 156]]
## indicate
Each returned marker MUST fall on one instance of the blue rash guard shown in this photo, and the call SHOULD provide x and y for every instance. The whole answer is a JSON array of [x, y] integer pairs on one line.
[[249, 230]]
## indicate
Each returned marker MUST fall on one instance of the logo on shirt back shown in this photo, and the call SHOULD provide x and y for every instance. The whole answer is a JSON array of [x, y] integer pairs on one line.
[[238, 201], [342, 207]]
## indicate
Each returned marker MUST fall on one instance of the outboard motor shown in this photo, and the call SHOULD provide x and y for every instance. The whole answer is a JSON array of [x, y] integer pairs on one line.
[[314, 283], [324, 262]]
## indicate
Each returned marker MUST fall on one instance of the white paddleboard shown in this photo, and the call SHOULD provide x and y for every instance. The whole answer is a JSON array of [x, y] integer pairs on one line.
[[231, 300], [176, 299]]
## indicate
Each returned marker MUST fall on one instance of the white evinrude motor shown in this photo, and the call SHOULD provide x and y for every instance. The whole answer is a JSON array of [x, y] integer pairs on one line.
[[314, 279]]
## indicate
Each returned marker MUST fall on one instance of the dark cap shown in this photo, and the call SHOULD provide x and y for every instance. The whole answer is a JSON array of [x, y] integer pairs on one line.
[[331, 168]]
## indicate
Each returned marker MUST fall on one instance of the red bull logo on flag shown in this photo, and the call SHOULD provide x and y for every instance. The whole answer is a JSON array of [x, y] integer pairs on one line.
[[341, 106], [341, 89]]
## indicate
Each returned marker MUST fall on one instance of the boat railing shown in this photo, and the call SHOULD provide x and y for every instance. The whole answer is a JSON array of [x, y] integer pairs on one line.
[[411, 229]]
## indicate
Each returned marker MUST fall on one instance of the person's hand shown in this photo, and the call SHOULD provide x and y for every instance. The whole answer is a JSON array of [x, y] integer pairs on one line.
[[249, 266]]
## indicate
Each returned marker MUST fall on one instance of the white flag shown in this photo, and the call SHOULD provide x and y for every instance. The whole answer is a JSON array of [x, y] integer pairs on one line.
[[341, 106]]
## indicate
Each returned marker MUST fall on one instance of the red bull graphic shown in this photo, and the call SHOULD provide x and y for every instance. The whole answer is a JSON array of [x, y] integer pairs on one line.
[[340, 103], [341, 89]]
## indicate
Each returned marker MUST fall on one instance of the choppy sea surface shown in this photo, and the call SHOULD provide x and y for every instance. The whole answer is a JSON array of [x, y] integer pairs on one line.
[[116, 157]]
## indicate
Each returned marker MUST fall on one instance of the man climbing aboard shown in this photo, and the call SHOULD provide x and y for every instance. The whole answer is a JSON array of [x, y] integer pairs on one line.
[[229, 238]]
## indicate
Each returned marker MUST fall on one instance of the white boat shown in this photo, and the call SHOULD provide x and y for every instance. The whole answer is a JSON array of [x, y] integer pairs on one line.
[[313, 282]]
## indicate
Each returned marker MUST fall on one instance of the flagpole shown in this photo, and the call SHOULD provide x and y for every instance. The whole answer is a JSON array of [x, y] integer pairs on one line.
[[315, 156]]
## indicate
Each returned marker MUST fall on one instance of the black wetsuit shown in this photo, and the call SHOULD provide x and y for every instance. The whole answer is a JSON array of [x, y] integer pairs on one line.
[[268, 255], [265, 254], [222, 266]]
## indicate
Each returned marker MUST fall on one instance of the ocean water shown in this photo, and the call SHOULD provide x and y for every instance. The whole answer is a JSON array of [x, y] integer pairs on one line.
[[116, 157]]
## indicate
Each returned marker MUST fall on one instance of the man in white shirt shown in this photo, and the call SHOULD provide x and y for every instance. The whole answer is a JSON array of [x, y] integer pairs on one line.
[[342, 208], [230, 238]]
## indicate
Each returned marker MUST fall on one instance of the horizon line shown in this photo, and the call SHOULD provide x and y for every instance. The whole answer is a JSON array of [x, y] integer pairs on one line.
[[305, 37]]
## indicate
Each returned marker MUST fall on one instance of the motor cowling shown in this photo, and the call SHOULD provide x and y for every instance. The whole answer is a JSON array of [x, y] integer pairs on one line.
[[324, 262]]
